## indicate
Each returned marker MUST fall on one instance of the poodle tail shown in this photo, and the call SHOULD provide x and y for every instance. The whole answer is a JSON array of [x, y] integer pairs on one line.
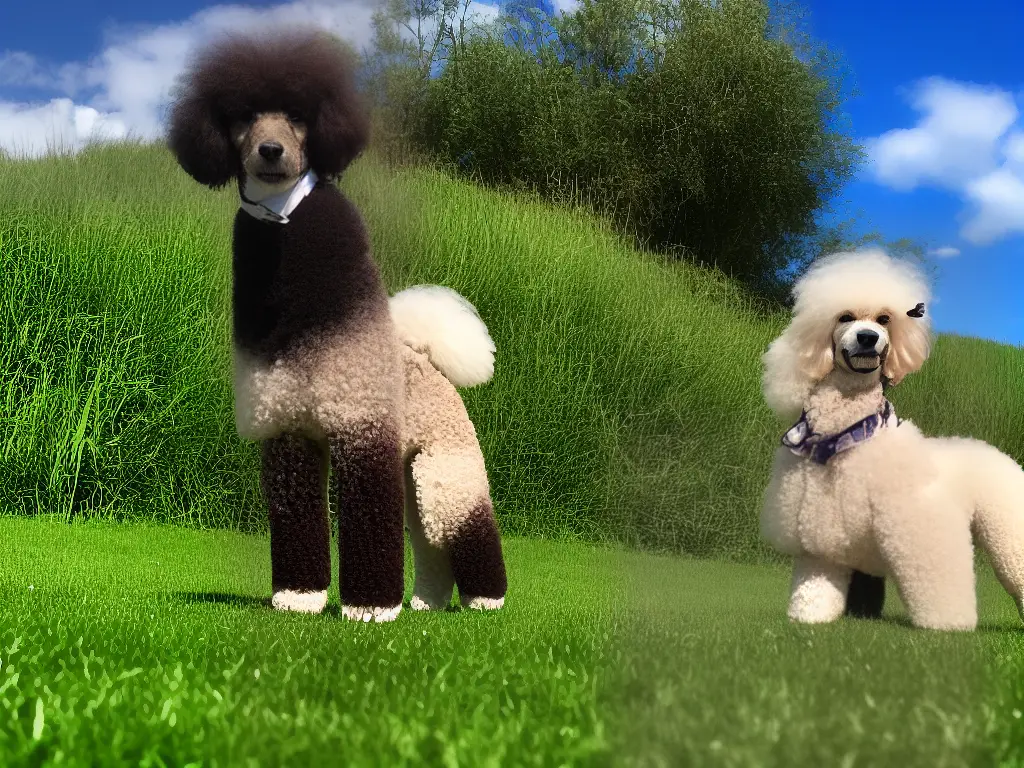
[[444, 326], [997, 482]]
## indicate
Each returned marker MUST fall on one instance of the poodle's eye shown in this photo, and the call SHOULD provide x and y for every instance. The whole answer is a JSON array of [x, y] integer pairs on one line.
[[882, 319], [295, 117], [847, 317]]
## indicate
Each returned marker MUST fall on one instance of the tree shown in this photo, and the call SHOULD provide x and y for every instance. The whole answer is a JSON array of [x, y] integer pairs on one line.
[[709, 129]]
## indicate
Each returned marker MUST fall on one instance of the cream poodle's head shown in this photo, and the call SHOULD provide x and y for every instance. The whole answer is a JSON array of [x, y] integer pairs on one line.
[[861, 312]]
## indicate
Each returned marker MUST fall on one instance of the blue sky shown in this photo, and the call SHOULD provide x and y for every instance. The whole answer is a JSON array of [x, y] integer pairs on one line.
[[890, 46], [941, 91]]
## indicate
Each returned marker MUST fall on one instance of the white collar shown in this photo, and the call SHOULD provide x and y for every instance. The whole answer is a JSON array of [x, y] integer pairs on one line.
[[276, 207]]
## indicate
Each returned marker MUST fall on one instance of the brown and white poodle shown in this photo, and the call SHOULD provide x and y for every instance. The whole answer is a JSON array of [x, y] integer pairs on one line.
[[322, 378]]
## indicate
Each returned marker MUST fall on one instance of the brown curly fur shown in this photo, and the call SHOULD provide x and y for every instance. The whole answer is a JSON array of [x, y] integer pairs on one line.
[[305, 72], [318, 376]]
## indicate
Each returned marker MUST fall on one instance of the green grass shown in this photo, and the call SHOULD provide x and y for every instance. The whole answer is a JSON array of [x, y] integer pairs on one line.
[[625, 405], [713, 674], [153, 645]]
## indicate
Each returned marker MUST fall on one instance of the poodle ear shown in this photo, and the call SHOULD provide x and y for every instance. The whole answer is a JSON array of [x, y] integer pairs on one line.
[[337, 136], [909, 347], [200, 143], [793, 364]]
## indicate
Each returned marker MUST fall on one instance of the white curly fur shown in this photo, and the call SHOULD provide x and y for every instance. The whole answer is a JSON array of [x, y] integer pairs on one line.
[[848, 281], [445, 345], [443, 325], [300, 601], [899, 504]]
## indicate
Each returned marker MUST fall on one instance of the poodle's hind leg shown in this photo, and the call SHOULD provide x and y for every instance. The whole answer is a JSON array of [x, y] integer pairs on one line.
[[932, 563], [294, 482], [434, 584], [477, 561], [866, 596], [456, 511], [366, 462], [818, 591]]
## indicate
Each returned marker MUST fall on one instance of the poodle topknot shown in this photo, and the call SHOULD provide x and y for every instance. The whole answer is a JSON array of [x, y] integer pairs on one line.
[[305, 74], [867, 284]]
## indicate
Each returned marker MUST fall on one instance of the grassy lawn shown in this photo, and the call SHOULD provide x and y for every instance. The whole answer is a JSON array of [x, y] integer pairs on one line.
[[153, 645], [713, 674], [625, 407]]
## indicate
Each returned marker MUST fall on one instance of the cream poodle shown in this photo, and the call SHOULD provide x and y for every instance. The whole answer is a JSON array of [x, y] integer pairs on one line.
[[854, 487]]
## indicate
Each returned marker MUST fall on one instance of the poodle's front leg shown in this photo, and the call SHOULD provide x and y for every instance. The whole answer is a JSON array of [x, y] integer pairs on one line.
[[818, 593], [367, 464], [294, 481]]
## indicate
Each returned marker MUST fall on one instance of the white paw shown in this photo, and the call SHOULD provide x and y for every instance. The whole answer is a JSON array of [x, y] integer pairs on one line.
[[302, 602], [419, 604], [484, 603], [808, 607], [359, 613]]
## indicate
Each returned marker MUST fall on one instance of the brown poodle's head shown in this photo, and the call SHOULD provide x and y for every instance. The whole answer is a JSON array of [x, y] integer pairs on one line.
[[267, 107], [271, 148]]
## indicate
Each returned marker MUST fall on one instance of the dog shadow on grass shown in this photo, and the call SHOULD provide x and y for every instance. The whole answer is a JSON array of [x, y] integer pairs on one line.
[[249, 601], [220, 598], [983, 627]]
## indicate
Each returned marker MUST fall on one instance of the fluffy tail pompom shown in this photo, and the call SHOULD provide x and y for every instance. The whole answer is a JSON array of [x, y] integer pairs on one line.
[[444, 326]]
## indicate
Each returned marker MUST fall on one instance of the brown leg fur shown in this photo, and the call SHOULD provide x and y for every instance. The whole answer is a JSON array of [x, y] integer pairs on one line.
[[294, 481], [367, 465], [477, 562]]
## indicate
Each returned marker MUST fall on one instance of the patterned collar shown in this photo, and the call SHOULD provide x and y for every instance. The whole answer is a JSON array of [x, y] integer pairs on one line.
[[820, 448]]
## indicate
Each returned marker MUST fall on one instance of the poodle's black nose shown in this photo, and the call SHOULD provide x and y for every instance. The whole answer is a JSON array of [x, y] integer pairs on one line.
[[867, 338], [271, 150]]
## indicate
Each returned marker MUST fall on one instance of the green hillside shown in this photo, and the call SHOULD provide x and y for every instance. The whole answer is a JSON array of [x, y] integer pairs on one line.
[[625, 404]]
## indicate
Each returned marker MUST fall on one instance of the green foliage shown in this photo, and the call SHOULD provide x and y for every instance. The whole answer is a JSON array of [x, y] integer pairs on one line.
[[707, 129], [114, 347], [411, 39]]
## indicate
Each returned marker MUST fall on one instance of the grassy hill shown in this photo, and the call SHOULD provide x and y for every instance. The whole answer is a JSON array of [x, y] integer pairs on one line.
[[625, 404]]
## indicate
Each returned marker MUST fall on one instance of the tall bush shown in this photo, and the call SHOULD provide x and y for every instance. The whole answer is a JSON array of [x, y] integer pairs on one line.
[[705, 129]]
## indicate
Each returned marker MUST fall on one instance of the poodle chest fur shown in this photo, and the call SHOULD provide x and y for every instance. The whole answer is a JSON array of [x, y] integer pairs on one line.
[[315, 348], [824, 510]]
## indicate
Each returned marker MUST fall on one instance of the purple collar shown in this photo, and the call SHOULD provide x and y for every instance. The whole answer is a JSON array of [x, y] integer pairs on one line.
[[820, 448]]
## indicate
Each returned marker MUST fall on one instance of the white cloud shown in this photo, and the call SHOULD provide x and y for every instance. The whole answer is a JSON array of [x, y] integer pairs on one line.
[[945, 252], [58, 125], [997, 201], [23, 69], [968, 141], [125, 88]]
